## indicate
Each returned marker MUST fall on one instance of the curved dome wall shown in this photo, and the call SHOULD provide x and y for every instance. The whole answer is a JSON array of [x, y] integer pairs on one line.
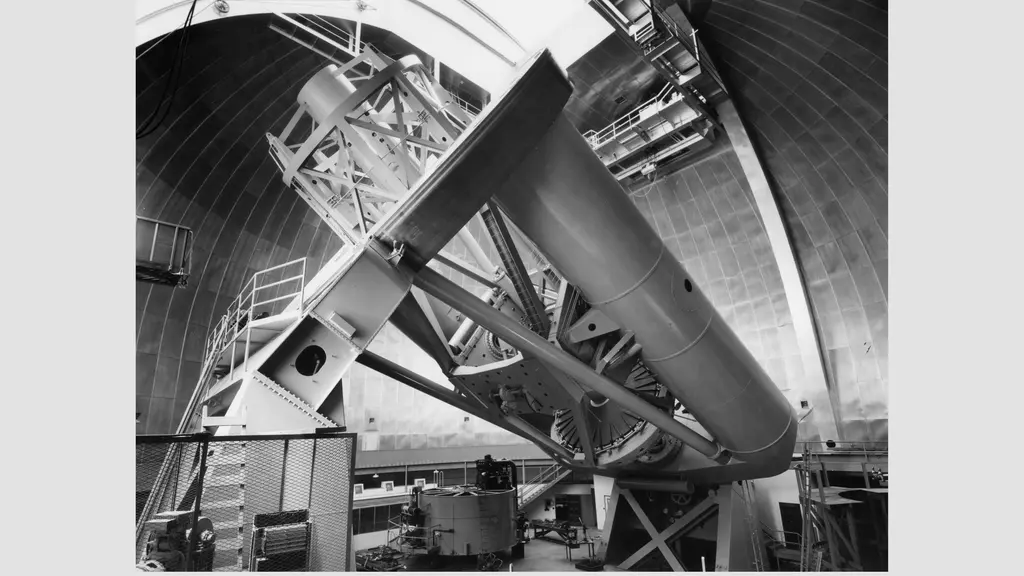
[[810, 81]]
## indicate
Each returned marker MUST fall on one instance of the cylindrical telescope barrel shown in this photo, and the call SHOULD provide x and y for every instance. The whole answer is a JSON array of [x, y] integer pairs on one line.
[[568, 203]]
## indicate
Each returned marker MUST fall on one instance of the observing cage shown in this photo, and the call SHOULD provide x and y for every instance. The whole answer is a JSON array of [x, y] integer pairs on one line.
[[268, 503], [163, 252]]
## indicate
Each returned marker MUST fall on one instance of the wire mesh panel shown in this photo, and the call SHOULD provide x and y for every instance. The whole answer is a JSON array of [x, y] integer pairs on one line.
[[331, 505], [258, 503]]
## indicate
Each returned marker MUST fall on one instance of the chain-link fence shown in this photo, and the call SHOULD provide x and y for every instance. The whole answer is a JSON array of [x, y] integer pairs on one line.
[[244, 503]]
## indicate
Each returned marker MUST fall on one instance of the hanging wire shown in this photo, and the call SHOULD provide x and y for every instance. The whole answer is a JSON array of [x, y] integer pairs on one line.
[[168, 35], [151, 123]]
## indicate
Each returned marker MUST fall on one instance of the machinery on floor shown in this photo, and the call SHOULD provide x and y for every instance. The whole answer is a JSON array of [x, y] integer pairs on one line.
[[468, 520], [171, 537]]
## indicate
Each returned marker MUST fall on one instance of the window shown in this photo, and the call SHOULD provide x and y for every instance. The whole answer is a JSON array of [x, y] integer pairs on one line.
[[365, 520], [380, 519], [357, 489]]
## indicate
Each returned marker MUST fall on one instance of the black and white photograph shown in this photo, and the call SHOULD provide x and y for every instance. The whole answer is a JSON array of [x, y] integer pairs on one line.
[[634, 252], [523, 286]]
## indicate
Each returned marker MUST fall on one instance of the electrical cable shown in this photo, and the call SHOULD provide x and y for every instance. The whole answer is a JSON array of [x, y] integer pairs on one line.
[[167, 35], [149, 125]]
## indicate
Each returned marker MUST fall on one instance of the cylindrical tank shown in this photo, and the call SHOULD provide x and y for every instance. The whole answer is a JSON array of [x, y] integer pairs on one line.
[[568, 203], [470, 521]]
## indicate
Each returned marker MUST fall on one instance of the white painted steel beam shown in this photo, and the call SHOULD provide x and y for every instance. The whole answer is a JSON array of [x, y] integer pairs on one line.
[[814, 388]]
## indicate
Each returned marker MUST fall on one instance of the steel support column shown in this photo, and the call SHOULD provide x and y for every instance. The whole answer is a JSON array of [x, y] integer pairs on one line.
[[522, 338], [660, 539], [657, 539], [475, 250], [419, 383], [516, 270], [815, 388]]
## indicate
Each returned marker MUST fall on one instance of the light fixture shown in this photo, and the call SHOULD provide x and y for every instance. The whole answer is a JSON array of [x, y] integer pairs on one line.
[[376, 475]]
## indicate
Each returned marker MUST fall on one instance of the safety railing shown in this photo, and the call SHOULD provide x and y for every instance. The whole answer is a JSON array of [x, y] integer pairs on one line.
[[528, 491], [864, 454], [163, 251], [628, 121], [409, 535], [254, 303], [644, 32], [781, 537], [465, 105], [745, 492], [819, 543], [866, 448]]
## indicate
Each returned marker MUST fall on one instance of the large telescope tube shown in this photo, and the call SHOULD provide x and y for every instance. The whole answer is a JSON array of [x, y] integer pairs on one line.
[[567, 202]]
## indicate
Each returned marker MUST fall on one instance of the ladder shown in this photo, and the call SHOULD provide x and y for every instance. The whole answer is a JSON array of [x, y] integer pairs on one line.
[[810, 558], [755, 531], [530, 491]]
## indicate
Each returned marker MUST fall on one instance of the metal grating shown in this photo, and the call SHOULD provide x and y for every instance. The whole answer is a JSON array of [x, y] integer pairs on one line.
[[261, 503]]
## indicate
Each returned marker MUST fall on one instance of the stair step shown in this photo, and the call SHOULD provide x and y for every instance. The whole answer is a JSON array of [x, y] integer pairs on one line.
[[226, 524], [236, 503], [229, 544], [230, 480], [225, 459], [664, 48]]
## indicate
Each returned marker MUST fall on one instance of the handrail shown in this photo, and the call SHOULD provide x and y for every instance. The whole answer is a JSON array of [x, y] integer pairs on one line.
[[626, 121], [174, 264], [540, 482], [279, 282], [247, 301]]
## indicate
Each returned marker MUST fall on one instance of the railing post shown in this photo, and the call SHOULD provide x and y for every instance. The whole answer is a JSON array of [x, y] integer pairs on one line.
[[194, 535], [152, 247], [231, 361], [284, 482], [302, 287], [248, 334], [174, 244]]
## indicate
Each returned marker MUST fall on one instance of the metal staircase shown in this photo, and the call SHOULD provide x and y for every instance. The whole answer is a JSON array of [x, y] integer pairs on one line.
[[257, 314], [268, 306], [224, 503], [757, 544], [530, 491]]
